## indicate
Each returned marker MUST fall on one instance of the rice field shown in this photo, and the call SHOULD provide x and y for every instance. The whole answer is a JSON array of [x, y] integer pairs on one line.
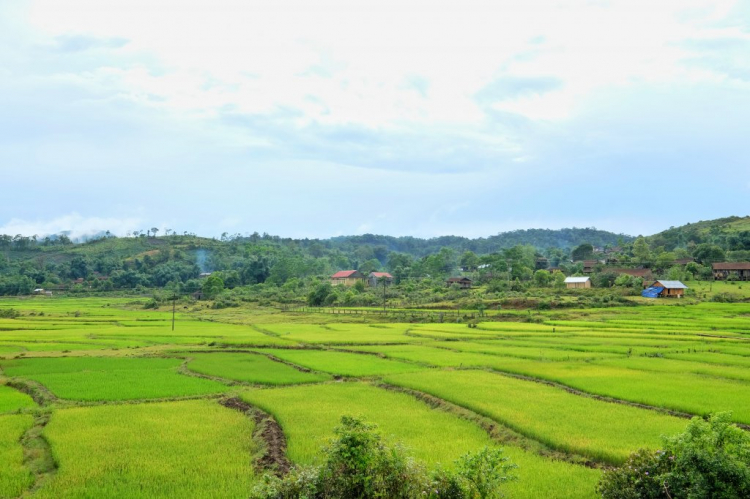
[[191, 448], [602, 431], [250, 368], [114, 379], [12, 400], [309, 414], [15, 478], [103, 379]]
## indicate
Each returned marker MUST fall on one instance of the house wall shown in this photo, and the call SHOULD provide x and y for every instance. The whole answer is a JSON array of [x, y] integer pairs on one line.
[[574, 285], [742, 275], [373, 282], [346, 281]]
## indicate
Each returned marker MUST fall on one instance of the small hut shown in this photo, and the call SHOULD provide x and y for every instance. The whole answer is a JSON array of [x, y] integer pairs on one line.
[[577, 282], [463, 282], [665, 289]]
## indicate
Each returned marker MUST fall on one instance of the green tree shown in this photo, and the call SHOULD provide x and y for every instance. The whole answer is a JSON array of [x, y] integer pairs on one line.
[[319, 296], [708, 253], [469, 261], [710, 459], [583, 251], [641, 251], [212, 286], [559, 279], [542, 278]]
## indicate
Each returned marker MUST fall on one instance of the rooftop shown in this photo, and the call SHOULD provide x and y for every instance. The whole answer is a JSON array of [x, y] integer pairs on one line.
[[671, 284], [577, 279]]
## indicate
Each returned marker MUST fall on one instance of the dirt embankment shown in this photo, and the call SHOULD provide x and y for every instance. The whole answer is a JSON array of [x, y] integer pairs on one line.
[[267, 431]]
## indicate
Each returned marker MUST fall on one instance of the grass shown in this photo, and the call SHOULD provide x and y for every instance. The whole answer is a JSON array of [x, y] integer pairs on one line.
[[251, 368], [603, 431], [13, 400], [101, 379], [341, 363], [15, 478], [308, 415], [195, 449]]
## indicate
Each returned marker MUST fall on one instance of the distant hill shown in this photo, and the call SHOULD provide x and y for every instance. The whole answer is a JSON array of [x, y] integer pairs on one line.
[[729, 233], [539, 238]]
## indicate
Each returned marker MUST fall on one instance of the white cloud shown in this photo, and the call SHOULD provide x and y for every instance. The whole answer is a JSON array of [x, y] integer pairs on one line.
[[273, 110], [73, 224]]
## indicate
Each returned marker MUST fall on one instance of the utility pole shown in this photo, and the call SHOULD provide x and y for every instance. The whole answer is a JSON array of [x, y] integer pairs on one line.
[[174, 299], [384, 282]]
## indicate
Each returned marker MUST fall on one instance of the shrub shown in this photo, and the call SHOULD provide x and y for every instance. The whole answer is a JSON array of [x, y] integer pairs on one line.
[[359, 464], [711, 459], [9, 313]]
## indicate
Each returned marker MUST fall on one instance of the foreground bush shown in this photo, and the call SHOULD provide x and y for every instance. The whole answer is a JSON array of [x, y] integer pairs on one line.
[[711, 459], [358, 464]]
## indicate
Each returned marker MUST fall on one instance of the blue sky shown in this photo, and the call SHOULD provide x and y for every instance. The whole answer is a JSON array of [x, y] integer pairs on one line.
[[321, 118]]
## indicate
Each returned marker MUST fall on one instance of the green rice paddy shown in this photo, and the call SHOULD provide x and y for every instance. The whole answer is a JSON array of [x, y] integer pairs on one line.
[[15, 478], [113, 378], [251, 368], [191, 448]]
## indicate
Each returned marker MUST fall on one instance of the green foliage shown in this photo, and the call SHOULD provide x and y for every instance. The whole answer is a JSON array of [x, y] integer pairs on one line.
[[710, 459], [542, 278], [319, 296], [583, 251], [9, 313], [359, 464], [212, 286]]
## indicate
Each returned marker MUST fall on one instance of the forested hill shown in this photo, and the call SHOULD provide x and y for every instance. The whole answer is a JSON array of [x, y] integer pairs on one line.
[[730, 234], [539, 238]]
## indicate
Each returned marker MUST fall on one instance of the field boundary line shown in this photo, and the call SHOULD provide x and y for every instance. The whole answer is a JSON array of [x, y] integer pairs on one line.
[[496, 430], [37, 452], [601, 398], [268, 434]]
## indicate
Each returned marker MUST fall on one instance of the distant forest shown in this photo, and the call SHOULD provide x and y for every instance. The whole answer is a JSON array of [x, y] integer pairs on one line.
[[146, 259]]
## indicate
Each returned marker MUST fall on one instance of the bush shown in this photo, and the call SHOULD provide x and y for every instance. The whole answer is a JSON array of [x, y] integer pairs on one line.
[[359, 464], [9, 313], [726, 298], [711, 459]]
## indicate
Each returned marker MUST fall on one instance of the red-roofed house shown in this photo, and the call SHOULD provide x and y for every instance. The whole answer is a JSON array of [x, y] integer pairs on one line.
[[374, 279], [346, 277]]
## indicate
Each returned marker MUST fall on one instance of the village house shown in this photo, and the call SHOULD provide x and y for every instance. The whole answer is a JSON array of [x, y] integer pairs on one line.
[[463, 282], [346, 277], [376, 279], [671, 289], [724, 270], [588, 266], [577, 282]]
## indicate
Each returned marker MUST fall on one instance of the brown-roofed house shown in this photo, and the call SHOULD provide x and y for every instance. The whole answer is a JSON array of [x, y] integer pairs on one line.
[[724, 270], [346, 277], [377, 278], [588, 266], [463, 282]]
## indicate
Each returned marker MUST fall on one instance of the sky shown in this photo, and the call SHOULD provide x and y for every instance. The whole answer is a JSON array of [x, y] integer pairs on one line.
[[318, 118]]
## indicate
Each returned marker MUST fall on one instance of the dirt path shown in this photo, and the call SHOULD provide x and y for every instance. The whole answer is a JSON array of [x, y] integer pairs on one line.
[[37, 453], [267, 431]]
